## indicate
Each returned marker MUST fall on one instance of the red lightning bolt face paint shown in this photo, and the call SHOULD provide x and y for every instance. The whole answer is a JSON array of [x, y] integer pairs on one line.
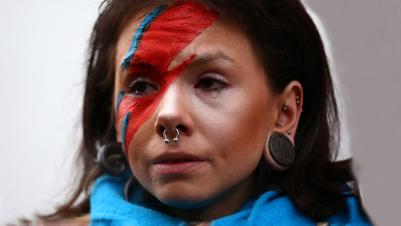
[[163, 34]]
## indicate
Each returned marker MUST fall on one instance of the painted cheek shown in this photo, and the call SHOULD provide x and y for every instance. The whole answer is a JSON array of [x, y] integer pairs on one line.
[[160, 37], [135, 111]]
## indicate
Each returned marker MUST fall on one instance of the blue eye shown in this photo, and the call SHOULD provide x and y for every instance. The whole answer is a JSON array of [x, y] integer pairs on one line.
[[141, 87], [209, 82]]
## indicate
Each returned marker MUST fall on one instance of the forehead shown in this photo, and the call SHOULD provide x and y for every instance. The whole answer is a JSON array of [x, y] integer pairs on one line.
[[220, 36], [125, 38], [166, 30]]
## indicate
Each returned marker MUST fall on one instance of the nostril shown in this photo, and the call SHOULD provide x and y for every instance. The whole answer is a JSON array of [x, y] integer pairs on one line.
[[182, 128], [170, 133], [161, 130]]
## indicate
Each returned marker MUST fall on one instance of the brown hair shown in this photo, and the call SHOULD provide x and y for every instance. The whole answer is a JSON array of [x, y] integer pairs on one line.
[[290, 48]]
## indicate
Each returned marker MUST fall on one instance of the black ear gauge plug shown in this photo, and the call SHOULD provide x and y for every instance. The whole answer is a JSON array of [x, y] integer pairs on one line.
[[280, 151], [112, 159]]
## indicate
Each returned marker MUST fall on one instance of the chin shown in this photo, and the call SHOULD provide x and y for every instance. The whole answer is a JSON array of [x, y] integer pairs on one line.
[[184, 198]]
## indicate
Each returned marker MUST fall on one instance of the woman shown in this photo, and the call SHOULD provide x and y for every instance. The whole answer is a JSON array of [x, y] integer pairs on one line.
[[209, 113]]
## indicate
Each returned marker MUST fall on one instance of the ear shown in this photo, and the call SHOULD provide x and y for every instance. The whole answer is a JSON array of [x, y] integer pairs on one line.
[[290, 102], [288, 112]]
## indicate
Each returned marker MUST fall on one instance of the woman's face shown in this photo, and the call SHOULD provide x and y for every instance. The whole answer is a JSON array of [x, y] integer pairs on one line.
[[215, 93]]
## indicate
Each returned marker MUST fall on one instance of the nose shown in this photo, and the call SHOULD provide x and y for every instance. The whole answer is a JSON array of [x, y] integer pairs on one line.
[[174, 113]]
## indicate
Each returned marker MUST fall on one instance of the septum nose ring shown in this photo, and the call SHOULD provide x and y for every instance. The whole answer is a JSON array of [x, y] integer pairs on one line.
[[175, 139]]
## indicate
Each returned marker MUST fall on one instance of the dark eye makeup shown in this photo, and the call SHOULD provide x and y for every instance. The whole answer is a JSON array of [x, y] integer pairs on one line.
[[207, 82], [211, 82], [141, 86]]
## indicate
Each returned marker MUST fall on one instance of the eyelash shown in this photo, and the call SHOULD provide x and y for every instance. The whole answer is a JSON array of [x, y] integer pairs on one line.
[[206, 83], [137, 83], [210, 77]]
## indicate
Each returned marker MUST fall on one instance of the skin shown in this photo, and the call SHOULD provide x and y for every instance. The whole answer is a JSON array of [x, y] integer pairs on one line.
[[225, 110]]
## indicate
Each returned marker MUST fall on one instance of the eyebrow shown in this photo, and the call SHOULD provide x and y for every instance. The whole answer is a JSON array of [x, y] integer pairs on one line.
[[201, 58], [211, 56], [124, 71]]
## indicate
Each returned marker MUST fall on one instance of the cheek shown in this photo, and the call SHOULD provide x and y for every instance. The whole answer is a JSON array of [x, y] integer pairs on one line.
[[238, 131], [132, 114], [141, 147], [253, 115]]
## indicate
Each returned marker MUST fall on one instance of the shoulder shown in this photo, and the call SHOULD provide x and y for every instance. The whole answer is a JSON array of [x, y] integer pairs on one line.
[[76, 221]]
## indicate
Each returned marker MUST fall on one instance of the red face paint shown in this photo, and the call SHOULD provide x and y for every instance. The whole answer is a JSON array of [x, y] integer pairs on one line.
[[167, 35]]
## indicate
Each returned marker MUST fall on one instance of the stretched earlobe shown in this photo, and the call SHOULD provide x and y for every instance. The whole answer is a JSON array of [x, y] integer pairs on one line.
[[279, 151], [112, 159]]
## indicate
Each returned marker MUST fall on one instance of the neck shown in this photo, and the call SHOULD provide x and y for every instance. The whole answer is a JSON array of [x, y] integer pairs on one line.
[[226, 204]]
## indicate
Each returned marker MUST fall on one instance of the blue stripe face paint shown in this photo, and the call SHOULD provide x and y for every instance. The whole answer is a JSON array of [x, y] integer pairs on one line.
[[160, 36], [124, 129], [119, 98], [139, 33]]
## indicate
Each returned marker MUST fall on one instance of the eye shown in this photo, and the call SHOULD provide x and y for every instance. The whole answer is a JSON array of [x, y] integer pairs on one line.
[[141, 87], [211, 82]]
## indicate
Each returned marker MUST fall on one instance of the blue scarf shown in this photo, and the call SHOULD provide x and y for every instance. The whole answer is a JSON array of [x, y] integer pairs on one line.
[[109, 208]]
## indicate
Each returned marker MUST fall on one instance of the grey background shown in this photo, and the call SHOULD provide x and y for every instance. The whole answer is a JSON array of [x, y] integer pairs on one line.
[[365, 38], [42, 46]]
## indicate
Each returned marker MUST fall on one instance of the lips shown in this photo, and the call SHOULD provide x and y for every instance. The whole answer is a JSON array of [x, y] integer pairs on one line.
[[176, 163], [175, 157]]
